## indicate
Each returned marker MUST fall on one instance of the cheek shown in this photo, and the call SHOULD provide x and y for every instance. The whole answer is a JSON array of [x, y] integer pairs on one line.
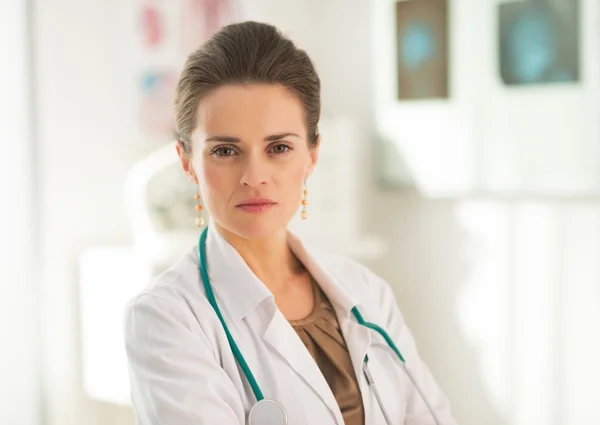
[[299, 174], [211, 176], [295, 179], [212, 179]]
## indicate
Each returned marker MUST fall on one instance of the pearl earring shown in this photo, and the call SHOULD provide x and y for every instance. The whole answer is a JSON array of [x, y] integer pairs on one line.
[[304, 213], [199, 208]]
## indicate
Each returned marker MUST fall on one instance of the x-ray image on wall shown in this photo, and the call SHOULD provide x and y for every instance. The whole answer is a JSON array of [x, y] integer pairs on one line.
[[422, 49], [539, 42]]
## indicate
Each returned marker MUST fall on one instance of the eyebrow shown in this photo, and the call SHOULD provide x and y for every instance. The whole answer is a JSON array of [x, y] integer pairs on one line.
[[271, 138]]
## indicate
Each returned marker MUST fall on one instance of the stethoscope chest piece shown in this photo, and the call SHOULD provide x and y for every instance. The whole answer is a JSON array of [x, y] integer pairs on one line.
[[267, 412]]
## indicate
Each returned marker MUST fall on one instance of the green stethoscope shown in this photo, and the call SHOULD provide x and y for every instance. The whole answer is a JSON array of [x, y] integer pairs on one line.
[[271, 412]]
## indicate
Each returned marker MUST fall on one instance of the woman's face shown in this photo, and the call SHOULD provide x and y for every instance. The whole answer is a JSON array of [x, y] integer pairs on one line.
[[251, 157]]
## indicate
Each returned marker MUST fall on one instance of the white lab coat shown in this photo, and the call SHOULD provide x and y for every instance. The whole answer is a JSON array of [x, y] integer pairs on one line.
[[183, 372]]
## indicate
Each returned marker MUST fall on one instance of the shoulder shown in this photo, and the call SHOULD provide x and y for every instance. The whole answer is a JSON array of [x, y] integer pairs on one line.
[[180, 278], [374, 296], [350, 271], [171, 299], [360, 281]]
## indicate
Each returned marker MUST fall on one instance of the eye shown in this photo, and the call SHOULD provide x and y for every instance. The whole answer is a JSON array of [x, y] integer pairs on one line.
[[280, 148], [224, 151]]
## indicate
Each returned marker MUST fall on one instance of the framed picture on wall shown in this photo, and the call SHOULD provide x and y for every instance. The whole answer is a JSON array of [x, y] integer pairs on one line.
[[157, 96], [422, 49], [167, 32], [200, 19], [539, 42]]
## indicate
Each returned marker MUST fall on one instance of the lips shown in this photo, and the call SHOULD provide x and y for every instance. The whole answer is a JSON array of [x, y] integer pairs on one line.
[[256, 205]]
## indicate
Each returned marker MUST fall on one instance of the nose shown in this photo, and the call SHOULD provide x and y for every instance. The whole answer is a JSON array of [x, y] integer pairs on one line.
[[255, 171]]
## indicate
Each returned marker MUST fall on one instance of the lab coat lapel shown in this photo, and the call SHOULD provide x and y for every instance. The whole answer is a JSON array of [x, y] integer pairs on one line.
[[357, 337], [283, 339], [358, 340]]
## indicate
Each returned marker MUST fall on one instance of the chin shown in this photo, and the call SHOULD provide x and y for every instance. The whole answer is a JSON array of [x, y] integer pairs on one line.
[[256, 226]]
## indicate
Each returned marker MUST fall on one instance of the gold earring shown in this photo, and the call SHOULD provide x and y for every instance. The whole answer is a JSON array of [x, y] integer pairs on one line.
[[199, 208], [304, 213]]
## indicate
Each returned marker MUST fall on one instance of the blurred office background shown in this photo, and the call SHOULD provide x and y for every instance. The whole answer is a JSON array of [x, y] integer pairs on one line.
[[461, 155]]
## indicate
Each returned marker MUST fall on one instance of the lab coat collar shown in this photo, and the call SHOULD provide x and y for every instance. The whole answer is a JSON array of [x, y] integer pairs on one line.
[[242, 291], [335, 291]]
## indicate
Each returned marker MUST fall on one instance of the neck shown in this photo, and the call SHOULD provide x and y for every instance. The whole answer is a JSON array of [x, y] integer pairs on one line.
[[270, 259]]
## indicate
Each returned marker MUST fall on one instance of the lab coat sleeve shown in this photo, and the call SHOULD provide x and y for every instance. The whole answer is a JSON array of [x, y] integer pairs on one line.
[[416, 410], [175, 378]]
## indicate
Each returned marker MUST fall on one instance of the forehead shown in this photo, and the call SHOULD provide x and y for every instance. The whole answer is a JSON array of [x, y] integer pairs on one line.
[[249, 110]]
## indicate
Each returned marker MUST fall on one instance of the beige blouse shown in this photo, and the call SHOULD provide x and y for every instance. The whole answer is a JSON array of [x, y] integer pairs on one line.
[[320, 332]]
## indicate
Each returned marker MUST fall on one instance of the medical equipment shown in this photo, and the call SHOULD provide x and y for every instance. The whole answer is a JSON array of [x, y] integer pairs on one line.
[[271, 412]]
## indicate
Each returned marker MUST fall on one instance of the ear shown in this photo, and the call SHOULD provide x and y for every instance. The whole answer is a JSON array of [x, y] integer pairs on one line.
[[186, 162], [314, 155]]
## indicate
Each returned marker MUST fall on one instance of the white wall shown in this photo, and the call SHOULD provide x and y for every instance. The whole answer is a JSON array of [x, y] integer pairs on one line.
[[87, 143], [19, 366], [452, 262], [504, 300]]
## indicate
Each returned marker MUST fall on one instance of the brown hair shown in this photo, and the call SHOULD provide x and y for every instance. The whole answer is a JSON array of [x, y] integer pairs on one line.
[[247, 52]]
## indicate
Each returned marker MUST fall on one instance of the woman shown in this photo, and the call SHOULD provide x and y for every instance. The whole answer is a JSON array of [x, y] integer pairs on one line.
[[248, 105]]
